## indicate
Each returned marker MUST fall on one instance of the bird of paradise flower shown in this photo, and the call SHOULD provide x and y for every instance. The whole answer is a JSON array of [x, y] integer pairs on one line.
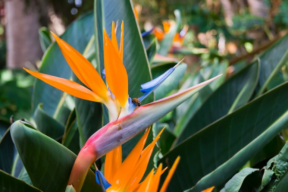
[[127, 119], [159, 33], [178, 37]]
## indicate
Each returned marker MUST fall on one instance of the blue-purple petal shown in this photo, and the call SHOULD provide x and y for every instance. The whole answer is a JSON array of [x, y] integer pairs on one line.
[[101, 180], [150, 86], [103, 73], [146, 33]]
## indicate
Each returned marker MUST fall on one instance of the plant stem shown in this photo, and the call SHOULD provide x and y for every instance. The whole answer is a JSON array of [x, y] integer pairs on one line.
[[84, 160]]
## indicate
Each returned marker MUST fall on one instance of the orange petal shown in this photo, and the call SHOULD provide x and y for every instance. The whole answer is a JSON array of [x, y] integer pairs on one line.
[[126, 169], [156, 179], [164, 170], [146, 185], [113, 35], [177, 38], [141, 165], [170, 174], [113, 161], [166, 26], [121, 51], [116, 74], [209, 189], [67, 86], [83, 69], [158, 33]]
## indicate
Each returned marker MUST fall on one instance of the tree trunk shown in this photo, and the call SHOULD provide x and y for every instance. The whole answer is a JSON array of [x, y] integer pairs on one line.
[[228, 11], [258, 8], [23, 22]]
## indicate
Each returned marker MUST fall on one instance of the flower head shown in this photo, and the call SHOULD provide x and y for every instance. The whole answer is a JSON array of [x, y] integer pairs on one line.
[[126, 118], [178, 38], [115, 95], [126, 175]]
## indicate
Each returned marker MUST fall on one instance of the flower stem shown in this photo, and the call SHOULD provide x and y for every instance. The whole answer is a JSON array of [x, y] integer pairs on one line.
[[84, 160]]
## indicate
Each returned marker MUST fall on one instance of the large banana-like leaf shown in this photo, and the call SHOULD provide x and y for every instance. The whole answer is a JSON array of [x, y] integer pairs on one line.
[[271, 62], [234, 93], [47, 162], [99, 24], [47, 125], [4, 125], [77, 35], [89, 118], [45, 39], [6, 152], [222, 148], [186, 110], [234, 184], [11, 184], [151, 50], [71, 134]]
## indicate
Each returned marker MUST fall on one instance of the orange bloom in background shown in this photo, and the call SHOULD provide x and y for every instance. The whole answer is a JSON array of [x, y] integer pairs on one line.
[[178, 38], [126, 175], [136, 14]]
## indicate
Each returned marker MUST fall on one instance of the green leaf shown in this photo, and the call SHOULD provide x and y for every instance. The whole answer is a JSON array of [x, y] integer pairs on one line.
[[45, 39], [234, 184], [135, 58], [267, 177], [71, 134], [222, 148], [271, 61], [77, 35], [4, 125], [167, 41], [98, 33], [167, 137], [47, 162], [269, 151], [24, 176], [171, 82], [232, 94], [7, 151], [17, 165], [219, 68], [47, 125], [279, 166], [151, 50], [192, 80], [190, 107], [161, 68], [10, 184], [89, 118]]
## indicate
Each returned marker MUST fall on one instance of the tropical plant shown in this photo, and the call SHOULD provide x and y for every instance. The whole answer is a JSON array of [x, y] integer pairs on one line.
[[90, 136]]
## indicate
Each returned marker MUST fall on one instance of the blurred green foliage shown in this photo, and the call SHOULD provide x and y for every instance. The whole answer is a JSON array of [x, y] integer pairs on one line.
[[15, 94]]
